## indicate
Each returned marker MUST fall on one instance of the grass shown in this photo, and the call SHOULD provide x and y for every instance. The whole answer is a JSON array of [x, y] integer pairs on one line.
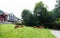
[[8, 31]]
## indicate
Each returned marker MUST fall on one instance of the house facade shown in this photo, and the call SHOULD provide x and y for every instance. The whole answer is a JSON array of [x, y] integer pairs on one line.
[[12, 18], [3, 17], [8, 18]]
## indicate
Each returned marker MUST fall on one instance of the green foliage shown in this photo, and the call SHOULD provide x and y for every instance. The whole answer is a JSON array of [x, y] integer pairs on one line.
[[57, 26], [37, 12], [50, 21], [57, 23], [38, 6], [27, 17], [18, 23], [41, 14], [51, 17], [57, 9], [57, 14], [8, 31]]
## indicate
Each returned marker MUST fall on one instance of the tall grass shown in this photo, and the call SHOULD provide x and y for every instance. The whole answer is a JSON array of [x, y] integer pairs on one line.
[[8, 31]]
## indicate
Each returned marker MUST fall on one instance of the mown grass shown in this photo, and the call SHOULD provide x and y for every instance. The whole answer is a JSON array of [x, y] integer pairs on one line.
[[8, 31]]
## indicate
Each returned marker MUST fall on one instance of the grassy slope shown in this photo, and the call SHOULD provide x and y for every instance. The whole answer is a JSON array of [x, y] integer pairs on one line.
[[8, 31]]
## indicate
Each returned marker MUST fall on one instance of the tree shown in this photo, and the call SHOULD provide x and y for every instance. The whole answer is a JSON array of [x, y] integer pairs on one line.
[[43, 16], [57, 14], [27, 17], [40, 13], [38, 6], [57, 9]]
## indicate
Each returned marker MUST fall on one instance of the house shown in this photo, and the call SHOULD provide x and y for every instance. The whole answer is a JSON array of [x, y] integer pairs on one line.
[[12, 18], [3, 17], [8, 18]]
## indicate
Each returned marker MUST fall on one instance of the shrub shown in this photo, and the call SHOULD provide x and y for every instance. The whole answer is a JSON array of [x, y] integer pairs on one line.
[[48, 25], [18, 23], [57, 26]]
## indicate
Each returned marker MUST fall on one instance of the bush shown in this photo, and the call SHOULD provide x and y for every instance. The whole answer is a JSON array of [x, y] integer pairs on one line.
[[18, 23], [48, 25], [57, 26]]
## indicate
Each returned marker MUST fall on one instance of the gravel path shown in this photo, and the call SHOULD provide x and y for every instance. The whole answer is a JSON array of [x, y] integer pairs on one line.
[[55, 33]]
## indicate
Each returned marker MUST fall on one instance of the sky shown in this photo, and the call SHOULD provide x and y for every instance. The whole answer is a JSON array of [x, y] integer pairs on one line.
[[16, 6]]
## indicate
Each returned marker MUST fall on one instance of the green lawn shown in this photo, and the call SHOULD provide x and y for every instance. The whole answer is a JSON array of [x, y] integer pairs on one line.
[[8, 31]]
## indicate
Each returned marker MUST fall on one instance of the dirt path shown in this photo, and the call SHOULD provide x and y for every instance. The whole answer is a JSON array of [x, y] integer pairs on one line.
[[55, 33]]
